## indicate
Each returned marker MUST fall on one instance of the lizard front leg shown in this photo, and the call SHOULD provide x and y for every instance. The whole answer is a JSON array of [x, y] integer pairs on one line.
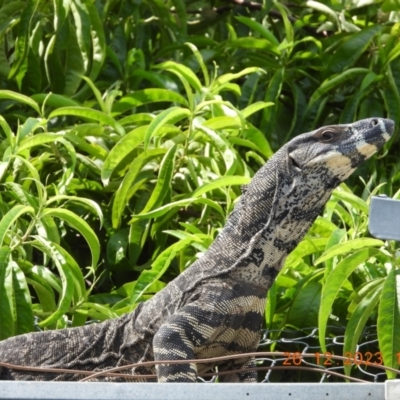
[[183, 335], [225, 319]]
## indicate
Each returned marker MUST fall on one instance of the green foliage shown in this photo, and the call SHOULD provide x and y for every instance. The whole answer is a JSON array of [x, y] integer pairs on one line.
[[127, 128], [60, 177]]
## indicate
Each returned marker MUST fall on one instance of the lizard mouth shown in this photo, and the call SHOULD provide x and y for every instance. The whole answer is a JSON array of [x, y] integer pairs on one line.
[[295, 165]]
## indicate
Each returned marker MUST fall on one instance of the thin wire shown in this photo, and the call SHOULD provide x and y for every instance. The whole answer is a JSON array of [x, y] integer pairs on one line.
[[154, 376], [236, 356], [111, 372]]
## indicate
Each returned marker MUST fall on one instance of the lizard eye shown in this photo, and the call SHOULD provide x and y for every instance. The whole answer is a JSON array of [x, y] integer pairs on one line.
[[327, 136]]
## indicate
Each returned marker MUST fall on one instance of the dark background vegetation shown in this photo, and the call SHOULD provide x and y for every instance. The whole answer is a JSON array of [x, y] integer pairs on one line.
[[127, 128]]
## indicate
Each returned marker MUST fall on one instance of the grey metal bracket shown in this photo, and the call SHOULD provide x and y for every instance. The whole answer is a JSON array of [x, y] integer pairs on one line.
[[384, 218], [17, 390]]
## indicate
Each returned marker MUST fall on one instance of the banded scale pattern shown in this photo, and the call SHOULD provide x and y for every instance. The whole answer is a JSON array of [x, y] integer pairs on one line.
[[215, 307]]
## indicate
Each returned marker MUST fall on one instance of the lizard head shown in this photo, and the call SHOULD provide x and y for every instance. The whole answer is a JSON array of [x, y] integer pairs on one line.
[[336, 151]]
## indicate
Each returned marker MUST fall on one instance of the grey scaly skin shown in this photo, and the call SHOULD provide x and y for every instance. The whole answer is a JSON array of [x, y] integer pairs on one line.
[[216, 306]]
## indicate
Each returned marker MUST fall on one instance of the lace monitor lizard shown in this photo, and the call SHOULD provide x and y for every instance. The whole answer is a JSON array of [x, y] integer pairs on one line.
[[216, 306]]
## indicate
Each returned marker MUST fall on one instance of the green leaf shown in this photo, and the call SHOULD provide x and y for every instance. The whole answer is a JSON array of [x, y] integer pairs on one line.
[[34, 177], [181, 203], [54, 71], [96, 93], [252, 108], [245, 143], [256, 136], [272, 95], [16, 315], [261, 29], [88, 129], [146, 96], [67, 278], [74, 65], [352, 199], [89, 113], [223, 145], [288, 25], [221, 80], [168, 116], [98, 41], [120, 151], [3, 168], [304, 309], [137, 119], [391, 96], [346, 247], [159, 266], [9, 11], [182, 72], [389, 322], [80, 293], [335, 237], [91, 204], [138, 233], [359, 318], [394, 53], [7, 130], [7, 328], [47, 275], [54, 100], [270, 306], [200, 238], [125, 188], [29, 127], [332, 286], [97, 311], [223, 182], [18, 68], [306, 247], [19, 98], [255, 44], [48, 228], [81, 17], [21, 301], [390, 5], [349, 51], [39, 139], [349, 113], [24, 197], [222, 122], [73, 68], [200, 60], [163, 182], [43, 291], [92, 149], [11, 217], [337, 80], [81, 226]]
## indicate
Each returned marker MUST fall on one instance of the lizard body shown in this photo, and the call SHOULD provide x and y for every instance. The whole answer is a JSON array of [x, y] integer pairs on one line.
[[216, 306]]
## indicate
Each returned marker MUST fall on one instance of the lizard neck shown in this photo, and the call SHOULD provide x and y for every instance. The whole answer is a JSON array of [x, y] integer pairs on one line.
[[268, 248], [273, 215]]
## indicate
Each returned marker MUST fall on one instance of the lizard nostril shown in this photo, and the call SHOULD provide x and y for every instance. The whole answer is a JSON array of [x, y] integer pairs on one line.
[[375, 122]]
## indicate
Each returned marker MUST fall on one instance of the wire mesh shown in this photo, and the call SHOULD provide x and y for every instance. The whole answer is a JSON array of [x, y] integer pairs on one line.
[[296, 343]]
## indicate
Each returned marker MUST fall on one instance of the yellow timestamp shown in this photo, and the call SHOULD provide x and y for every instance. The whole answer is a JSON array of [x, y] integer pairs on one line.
[[326, 359]]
